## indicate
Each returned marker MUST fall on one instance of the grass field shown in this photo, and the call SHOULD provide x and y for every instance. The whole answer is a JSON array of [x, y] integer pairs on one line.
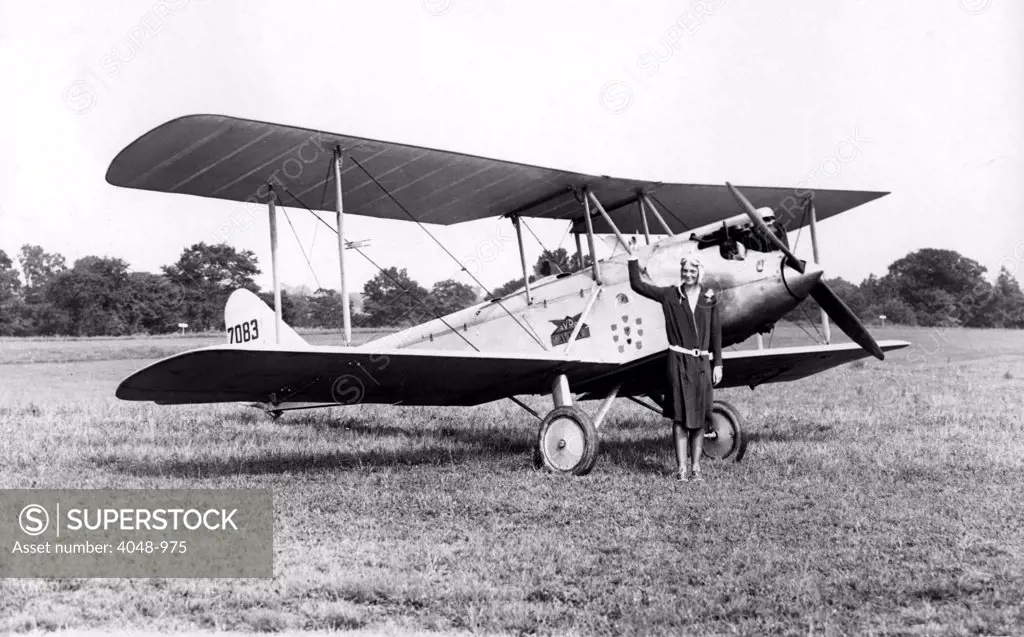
[[76, 350], [879, 498]]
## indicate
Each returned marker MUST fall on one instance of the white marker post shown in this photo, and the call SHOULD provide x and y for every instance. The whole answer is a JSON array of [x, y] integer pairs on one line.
[[346, 314]]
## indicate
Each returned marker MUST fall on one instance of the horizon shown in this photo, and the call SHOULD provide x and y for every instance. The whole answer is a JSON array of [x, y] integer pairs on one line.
[[308, 290]]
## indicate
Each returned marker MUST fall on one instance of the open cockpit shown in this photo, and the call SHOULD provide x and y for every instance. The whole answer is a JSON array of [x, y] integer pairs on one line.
[[737, 236]]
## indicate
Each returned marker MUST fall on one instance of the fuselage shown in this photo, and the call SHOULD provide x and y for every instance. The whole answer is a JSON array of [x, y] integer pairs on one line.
[[618, 325]]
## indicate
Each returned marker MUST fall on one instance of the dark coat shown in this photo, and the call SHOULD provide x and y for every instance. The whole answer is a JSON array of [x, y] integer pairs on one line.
[[690, 394]]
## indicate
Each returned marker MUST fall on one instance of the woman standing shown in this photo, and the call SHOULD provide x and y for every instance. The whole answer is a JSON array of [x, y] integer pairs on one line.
[[694, 340]]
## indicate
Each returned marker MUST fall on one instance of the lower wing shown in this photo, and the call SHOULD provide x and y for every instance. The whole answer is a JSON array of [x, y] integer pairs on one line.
[[741, 368], [227, 373], [340, 375]]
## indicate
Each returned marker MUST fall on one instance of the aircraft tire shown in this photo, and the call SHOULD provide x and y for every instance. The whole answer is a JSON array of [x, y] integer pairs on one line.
[[728, 440], [567, 442]]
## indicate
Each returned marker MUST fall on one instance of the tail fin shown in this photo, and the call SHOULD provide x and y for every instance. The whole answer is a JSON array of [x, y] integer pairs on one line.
[[249, 321]]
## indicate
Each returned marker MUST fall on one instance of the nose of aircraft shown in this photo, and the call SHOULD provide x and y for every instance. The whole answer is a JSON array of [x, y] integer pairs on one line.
[[799, 285]]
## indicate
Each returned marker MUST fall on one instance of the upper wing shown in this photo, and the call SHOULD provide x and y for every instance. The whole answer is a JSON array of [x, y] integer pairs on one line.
[[741, 368], [231, 158], [226, 373]]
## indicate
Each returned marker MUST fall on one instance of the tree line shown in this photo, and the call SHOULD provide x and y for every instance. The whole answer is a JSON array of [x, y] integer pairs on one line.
[[41, 295], [930, 287], [101, 296]]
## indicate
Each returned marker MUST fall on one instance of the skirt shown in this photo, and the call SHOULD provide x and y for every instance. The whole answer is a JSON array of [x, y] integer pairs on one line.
[[690, 394]]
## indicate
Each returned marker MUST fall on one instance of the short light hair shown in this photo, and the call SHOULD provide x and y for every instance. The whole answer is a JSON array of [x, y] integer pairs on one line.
[[694, 260]]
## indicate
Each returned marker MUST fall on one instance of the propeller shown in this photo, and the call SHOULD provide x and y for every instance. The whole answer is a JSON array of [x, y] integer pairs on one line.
[[838, 311]]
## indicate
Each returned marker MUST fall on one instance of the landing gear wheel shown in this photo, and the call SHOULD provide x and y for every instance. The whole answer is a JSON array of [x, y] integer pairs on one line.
[[275, 414], [567, 442], [724, 436]]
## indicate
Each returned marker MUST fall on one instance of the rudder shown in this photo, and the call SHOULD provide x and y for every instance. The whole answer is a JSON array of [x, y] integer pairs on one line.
[[249, 321]]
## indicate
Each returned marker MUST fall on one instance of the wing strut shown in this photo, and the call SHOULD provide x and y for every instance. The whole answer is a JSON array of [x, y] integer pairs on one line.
[[643, 217], [595, 267], [273, 265], [579, 250], [588, 197], [522, 257], [346, 313], [608, 220], [594, 293], [817, 261], [644, 199]]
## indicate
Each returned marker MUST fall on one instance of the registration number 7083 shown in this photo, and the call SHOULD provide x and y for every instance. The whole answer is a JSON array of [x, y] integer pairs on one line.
[[244, 332]]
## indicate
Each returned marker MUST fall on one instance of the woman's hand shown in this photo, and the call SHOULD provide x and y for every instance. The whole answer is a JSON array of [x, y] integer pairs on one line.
[[716, 375]]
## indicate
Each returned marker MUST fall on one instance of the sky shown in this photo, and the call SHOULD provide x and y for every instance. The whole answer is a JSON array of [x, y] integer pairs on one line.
[[922, 98]]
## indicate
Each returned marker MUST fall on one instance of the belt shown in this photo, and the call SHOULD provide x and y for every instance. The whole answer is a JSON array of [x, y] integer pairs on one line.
[[696, 353]]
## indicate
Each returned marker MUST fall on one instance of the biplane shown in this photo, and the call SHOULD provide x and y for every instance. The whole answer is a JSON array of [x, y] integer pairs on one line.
[[579, 336]]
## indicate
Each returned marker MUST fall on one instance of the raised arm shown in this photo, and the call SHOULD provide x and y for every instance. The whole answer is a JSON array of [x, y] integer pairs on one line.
[[640, 286]]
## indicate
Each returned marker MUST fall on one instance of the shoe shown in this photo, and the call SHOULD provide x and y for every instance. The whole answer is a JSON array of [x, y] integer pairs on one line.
[[682, 477], [697, 477]]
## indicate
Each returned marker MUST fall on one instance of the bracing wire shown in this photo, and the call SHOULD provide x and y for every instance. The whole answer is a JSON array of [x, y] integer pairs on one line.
[[447, 251], [801, 325], [803, 308], [564, 235], [800, 230], [312, 241], [669, 211], [405, 291], [323, 198], [543, 247], [299, 241], [385, 273]]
